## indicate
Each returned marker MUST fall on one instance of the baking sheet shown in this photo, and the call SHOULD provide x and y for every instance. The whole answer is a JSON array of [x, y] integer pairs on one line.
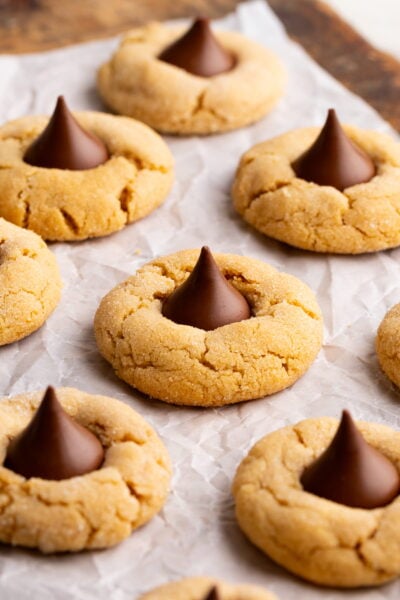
[[196, 533]]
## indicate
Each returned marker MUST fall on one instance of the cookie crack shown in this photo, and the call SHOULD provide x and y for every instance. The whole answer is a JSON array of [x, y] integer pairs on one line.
[[164, 272], [306, 310], [278, 185], [300, 437], [101, 431], [124, 199], [297, 304], [27, 213], [29, 253], [247, 160], [200, 107], [111, 339], [139, 497], [6, 500], [283, 360], [239, 277], [359, 549], [364, 561], [79, 508], [69, 221], [143, 165]]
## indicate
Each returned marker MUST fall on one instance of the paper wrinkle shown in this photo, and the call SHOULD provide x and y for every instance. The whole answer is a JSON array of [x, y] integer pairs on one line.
[[196, 533]]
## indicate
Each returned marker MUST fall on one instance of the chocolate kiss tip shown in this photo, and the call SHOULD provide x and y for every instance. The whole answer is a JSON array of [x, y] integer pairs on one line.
[[53, 445], [351, 471], [64, 144], [199, 52], [206, 299], [334, 159], [212, 594]]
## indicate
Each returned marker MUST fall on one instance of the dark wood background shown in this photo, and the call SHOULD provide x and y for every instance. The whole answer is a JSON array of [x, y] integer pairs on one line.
[[35, 25]]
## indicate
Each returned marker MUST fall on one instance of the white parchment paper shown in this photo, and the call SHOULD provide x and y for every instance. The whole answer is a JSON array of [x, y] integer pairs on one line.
[[196, 533]]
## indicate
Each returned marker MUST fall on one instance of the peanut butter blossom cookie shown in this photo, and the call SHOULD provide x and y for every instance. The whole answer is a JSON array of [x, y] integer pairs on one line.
[[206, 588], [193, 329], [79, 471], [191, 81], [336, 189], [75, 177], [388, 344], [322, 500], [30, 282]]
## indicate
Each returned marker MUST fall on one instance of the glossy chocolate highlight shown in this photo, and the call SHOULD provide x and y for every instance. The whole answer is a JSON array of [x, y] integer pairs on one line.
[[334, 159], [199, 52], [351, 471], [206, 299], [64, 144], [53, 445]]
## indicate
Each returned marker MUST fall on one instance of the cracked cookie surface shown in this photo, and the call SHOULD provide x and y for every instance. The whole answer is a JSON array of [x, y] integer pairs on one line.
[[185, 365], [362, 218], [388, 344], [30, 282], [322, 541], [63, 205], [135, 83], [95, 510], [197, 588]]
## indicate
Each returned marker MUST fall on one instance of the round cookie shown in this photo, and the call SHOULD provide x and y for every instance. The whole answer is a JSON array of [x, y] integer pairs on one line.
[[30, 282], [181, 364], [95, 510], [136, 83], [362, 218], [388, 344], [325, 542], [197, 588], [63, 205]]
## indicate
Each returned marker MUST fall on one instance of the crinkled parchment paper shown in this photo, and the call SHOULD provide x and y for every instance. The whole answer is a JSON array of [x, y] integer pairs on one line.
[[196, 532]]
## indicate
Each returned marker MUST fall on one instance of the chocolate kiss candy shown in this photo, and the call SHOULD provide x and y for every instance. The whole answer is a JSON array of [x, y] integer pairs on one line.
[[212, 594], [199, 52], [206, 299], [64, 144], [53, 445], [352, 472], [334, 159]]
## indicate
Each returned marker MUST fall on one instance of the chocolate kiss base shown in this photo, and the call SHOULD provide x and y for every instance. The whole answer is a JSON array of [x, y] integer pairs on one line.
[[213, 594], [53, 445], [206, 299], [64, 144], [352, 472], [199, 52], [334, 159]]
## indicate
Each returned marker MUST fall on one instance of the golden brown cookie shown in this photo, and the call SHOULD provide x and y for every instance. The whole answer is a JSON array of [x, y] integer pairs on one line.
[[66, 205], [362, 218], [95, 510], [325, 542], [185, 365], [197, 588], [388, 344], [135, 83], [30, 282]]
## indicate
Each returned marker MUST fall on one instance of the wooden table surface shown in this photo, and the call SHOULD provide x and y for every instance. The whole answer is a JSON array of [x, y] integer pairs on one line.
[[35, 25]]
